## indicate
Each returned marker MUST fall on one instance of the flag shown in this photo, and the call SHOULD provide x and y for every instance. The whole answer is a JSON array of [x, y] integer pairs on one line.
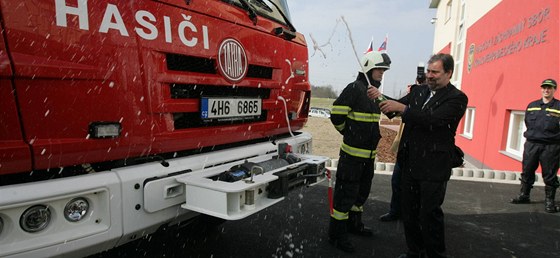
[[383, 46], [370, 47]]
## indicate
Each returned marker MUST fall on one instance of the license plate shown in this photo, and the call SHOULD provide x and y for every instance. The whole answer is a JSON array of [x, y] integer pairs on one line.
[[230, 107]]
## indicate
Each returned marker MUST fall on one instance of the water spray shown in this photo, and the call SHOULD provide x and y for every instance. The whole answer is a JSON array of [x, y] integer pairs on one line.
[[354, 48], [380, 98]]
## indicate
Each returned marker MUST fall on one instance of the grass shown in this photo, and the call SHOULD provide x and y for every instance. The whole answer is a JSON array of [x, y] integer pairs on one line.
[[322, 102]]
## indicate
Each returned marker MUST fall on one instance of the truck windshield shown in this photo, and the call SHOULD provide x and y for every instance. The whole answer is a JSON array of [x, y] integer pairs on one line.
[[273, 9]]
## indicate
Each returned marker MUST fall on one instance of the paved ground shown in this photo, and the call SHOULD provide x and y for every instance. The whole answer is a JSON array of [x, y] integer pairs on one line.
[[479, 223]]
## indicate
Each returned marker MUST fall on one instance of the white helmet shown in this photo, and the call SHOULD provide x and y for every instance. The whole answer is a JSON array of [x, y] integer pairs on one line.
[[375, 59]]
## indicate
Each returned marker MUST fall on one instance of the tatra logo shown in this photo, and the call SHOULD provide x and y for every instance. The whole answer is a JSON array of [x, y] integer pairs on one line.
[[232, 60]]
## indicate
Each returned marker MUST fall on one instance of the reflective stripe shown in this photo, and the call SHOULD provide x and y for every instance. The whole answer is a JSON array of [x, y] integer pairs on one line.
[[340, 127], [339, 215], [547, 110], [357, 209], [357, 152], [364, 117], [340, 110]]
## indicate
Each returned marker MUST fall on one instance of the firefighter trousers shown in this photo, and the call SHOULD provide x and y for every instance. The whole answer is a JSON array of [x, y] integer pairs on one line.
[[548, 156], [353, 183]]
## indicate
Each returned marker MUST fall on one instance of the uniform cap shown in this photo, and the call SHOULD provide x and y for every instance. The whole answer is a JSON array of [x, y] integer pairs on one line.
[[549, 82]]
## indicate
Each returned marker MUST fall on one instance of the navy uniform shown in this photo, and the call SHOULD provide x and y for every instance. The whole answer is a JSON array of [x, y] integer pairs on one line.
[[356, 117], [542, 119]]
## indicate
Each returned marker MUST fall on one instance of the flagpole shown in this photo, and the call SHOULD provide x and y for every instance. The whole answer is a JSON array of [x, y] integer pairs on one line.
[[383, 48]]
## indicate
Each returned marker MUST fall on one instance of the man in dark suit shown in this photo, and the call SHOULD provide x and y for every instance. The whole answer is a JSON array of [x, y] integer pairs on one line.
[[431, 114]]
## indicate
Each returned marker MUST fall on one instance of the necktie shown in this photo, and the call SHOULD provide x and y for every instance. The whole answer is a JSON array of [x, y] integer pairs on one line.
[[432, 93]]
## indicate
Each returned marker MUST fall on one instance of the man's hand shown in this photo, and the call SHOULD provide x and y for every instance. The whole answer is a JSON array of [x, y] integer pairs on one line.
[[389, 106], [373, 93]]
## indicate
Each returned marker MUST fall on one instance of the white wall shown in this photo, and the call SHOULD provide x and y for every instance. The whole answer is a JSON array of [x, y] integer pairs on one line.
[[445, 31]]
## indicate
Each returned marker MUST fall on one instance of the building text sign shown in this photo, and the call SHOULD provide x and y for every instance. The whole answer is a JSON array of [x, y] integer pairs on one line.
[[527, 33]]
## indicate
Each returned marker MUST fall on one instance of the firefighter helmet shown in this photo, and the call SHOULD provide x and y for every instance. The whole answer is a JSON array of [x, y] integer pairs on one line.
[[375, 59]]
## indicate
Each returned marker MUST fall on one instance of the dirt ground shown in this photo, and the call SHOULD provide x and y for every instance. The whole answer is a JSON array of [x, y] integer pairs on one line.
[[326, 140]]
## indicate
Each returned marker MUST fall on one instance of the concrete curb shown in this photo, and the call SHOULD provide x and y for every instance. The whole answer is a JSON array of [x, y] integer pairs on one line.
[[465, 174]]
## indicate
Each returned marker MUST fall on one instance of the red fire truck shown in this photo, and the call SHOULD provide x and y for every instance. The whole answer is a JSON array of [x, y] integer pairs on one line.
[[119, 117]]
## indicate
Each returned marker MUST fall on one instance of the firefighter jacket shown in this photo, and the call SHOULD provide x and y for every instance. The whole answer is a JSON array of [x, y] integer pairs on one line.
[[356, 117], [543, 122]]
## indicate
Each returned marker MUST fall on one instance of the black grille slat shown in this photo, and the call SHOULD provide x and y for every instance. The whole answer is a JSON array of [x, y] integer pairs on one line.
[[191, 91], [193, 120], [184, 63], [260, 72]]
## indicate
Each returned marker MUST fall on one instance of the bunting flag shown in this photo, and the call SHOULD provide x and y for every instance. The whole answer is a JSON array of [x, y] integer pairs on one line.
[[383, 46], [370, 47]]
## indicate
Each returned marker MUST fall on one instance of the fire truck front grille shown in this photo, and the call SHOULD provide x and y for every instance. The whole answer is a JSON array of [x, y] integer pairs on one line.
[[183, 63], [190, 92]]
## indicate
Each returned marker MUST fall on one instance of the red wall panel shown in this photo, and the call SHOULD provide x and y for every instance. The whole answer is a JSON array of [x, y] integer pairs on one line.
[[509, 52]]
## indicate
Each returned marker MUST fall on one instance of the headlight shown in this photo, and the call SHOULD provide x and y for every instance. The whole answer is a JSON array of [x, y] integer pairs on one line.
[[76, 209], [35, 219]]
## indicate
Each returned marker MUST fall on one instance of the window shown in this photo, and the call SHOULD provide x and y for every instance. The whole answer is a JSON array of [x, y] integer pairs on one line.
[[515, 139], [274, 9], [459, 46], [458, 63], [462, 15], [469, 123], [448, 11]]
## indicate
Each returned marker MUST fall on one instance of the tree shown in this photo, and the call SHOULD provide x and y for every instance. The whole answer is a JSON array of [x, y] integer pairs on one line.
[[323, 92]]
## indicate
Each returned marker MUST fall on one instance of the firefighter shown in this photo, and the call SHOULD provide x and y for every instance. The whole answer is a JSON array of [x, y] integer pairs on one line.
[[542, 119], [356, 117]]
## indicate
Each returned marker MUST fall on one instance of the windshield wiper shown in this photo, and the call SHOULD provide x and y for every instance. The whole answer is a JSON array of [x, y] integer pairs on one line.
[[251, 10], [292, 28], [280, 31], [287, 34]]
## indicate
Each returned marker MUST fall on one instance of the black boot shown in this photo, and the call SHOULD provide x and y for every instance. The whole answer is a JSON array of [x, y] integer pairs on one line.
[[524, 195], [338, 236], [355, 225], [549, 205]]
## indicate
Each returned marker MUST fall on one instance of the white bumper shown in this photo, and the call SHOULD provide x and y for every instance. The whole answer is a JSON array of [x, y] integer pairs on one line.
[[128, 203]]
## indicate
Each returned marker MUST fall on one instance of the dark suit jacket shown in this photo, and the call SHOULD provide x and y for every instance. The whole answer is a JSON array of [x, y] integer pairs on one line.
[[428, 138]]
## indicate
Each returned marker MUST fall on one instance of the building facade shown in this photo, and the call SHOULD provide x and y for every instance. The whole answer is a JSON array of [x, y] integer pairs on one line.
[[503, 50]]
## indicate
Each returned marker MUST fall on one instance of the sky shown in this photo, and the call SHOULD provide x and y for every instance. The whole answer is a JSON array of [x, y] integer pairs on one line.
[[333, 62]]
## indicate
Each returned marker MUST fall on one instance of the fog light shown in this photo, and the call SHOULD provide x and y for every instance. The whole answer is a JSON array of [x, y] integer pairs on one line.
[[1, 225], [35, 218], [76, 209], [104, 129]]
